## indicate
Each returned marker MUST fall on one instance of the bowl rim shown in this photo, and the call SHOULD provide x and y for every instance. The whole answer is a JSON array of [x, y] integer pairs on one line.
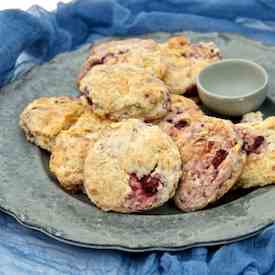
[[233, 60]]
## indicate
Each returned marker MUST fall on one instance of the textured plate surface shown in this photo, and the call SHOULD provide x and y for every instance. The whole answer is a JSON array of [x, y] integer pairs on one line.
[[30, 194]]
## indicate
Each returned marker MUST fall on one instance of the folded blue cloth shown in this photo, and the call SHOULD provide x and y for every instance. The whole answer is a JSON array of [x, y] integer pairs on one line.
[[42, 35], [27, 252], [36, 36]]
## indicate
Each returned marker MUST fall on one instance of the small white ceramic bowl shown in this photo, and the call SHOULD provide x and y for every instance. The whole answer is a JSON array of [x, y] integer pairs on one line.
[[233, 87]]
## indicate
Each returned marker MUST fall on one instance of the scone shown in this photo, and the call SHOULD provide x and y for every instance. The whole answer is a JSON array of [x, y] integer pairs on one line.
[[213, 160], [141, 52], [183, 112], [124, 91], [44, 118], [132, 167], [70, 150], [184, 61], [68, 156], [259, 143], [90, 122]]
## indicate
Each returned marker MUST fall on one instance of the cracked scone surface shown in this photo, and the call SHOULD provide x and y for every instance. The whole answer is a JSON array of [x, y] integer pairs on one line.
[[70, 150], [141, 52], [184, 61], [132, 167], [125, 91], [89, 121], [44, 118], [259, 143], [183, 113], [213, 160]]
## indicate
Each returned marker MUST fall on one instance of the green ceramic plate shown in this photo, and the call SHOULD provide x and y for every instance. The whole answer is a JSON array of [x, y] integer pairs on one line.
[[31, 195]]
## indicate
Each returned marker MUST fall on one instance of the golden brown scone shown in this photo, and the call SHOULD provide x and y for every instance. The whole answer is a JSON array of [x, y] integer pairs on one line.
[[68, 156], [213, 160], [132, 167], [259, 143], [44, 118], [183, 112], [70, 150], [90, 122], [184, 61], [141, 52], [125, 91]]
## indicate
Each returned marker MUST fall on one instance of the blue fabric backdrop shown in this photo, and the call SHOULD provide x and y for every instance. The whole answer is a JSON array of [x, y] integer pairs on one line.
[[38, 35]]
